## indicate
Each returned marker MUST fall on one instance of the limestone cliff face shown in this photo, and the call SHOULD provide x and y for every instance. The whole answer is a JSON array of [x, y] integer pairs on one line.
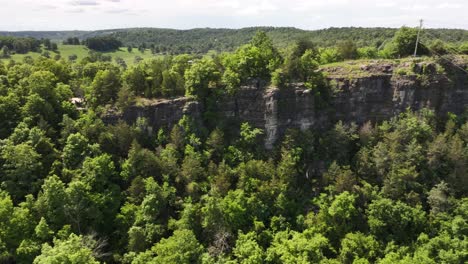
[[159, 114], [375, 95]]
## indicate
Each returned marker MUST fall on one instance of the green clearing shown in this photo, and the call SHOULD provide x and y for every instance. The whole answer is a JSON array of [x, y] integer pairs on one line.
[[81, 51]]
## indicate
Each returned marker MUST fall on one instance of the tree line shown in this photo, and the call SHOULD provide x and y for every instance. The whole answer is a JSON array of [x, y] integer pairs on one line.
[[200, 41]]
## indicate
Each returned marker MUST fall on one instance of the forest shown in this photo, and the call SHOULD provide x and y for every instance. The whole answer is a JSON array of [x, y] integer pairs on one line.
[[202, 40], [74, 189]]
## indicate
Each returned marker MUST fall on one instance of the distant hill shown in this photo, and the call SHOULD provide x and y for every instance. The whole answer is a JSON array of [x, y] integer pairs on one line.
[[201, 40]]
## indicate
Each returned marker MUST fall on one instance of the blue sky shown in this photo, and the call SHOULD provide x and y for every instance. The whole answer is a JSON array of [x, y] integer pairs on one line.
[[184, 14]]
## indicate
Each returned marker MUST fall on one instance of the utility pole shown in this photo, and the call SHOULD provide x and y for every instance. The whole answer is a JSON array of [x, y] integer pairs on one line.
[[417, 39]]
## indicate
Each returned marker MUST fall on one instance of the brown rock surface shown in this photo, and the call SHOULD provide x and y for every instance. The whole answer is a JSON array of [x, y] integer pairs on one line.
[[375, 96]]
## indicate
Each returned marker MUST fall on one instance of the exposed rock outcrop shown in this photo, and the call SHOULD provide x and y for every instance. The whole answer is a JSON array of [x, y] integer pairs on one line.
[[375, 94]]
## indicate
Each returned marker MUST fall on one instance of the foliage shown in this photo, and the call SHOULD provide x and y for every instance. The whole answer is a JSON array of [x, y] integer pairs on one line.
[[102, 43], [71, 250], [77, 187]]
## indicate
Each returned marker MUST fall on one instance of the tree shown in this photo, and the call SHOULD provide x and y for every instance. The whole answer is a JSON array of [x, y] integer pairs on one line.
[[9, 114], [348, 50], [140, 162], [6, 237], [293, 247], [51, 202], [43, 232], [21, 170], [99, 172], [104, 88], [358, 246], [182, 247], [395, 221], [76, 149], [338, 216], [215, 144], [438, 47], [73, 250], [308, 69], [329, 55], [136, 79], [82, 207], [172, 84], [191, 169], [247, 249], [403, 43], [126, 98], [438, 198], [5, 52], [252, 63], [103, 43], [340, 178], [43, 101], [201, 78]]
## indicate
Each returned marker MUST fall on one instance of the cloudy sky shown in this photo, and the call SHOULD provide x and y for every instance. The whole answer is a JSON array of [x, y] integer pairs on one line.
[[184, 14]]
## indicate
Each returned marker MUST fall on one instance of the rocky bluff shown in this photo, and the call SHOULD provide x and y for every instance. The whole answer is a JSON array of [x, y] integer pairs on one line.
[[358, 93]]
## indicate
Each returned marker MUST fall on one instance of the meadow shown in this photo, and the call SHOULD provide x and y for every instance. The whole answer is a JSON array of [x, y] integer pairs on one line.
[[81, 51]]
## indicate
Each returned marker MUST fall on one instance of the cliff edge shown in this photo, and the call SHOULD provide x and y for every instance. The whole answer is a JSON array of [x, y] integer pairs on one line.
[[357, 92]]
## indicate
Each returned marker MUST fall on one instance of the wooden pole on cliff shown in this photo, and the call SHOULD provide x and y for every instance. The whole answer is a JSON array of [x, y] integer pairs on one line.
[[417, 39]]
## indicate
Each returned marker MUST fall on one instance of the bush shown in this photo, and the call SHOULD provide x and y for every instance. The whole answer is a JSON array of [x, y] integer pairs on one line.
[[368, 53], [348, 50], [329, 55], [438, 47]]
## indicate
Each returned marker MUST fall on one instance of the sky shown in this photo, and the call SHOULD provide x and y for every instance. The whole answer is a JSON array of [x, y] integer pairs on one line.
[[16, 15]]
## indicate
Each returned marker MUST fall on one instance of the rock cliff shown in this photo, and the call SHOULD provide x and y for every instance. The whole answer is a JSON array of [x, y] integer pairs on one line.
[[358, 93]]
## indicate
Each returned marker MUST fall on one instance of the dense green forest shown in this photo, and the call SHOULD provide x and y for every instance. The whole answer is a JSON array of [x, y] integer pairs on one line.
[[76, 190], [203, 40]]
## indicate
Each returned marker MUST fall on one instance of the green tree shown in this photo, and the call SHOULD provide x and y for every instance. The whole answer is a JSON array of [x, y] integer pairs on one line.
[[43, 232], [21, 170], [247, 249], [201, 78], [395, 221], [71, 250], [172, 84], [135, 78], [10, 114], [5, 52], [76, 149], [182, 247], [294, 247], [358, 246], [51, 202], [140, 162], [252, 63], [403, 43], [438, 198], [104, 88], [348, 50]]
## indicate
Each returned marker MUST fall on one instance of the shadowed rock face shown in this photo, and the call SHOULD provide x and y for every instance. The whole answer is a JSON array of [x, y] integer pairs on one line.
[[373, 97]]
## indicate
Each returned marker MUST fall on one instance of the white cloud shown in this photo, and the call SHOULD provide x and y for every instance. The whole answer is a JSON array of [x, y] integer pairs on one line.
[[449, 6], [84, 3], [308, 14], [416, 7], [258, 8]]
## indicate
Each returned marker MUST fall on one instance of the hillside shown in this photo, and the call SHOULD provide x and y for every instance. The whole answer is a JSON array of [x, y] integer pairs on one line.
[[201, 40]]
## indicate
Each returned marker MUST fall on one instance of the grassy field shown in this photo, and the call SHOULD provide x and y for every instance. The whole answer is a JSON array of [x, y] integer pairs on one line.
[[81, 51]]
